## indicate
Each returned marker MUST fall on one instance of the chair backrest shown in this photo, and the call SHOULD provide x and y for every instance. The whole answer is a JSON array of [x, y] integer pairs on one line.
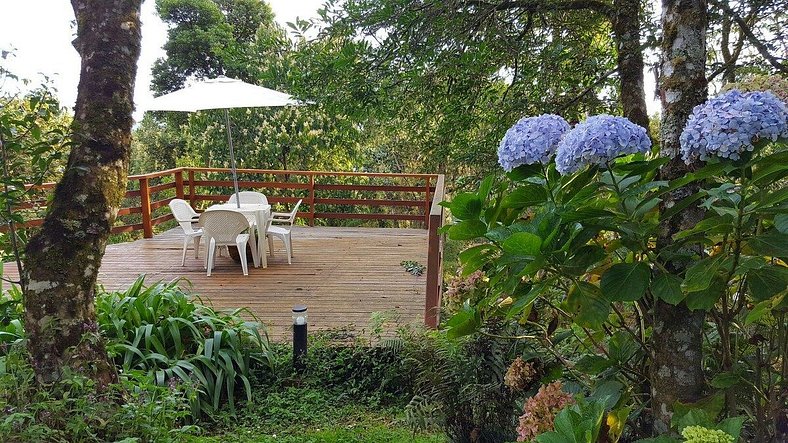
[[294, 212], [223, 226], [184, 214], [250, 197]]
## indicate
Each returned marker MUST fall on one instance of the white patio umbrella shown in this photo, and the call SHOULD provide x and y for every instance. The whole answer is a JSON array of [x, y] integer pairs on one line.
[[222, 93]]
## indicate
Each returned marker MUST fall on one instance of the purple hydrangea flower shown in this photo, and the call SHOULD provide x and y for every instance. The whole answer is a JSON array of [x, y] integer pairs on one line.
[[727, 125], [531, 140], [597, 140]]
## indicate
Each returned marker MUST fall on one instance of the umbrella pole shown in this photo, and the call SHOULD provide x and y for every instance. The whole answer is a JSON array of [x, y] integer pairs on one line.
[[232, 158]]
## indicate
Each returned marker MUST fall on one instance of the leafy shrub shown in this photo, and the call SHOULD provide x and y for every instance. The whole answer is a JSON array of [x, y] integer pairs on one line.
[[72, 411], [459, 386], [11, 313], [161, 331]]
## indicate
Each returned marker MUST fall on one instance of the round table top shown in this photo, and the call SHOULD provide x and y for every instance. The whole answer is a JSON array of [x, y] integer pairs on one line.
[[245, 207]]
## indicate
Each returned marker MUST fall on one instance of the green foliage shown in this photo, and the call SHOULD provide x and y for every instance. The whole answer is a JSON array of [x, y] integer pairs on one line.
[[459, 387], [206, 39], [699, 434], [583, 254], [72, 411], [413, 267], [161, 331], [34, 142], [11, 317]]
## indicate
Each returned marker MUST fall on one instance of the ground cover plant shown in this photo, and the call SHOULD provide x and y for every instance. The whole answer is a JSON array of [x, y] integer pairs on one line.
[[189, 373]]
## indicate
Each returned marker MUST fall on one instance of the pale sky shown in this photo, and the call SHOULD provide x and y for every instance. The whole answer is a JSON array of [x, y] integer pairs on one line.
[[40, 31]]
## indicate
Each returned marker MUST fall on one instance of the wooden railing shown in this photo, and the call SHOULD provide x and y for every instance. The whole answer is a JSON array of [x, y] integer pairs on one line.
[[409, 200]]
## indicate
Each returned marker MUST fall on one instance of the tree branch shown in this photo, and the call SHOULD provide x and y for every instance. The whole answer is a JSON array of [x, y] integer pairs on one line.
[[540, 5], [590, 88], [759, 45]]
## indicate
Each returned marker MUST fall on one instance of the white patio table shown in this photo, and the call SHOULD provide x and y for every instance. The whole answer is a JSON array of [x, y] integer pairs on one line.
[[258, 215]]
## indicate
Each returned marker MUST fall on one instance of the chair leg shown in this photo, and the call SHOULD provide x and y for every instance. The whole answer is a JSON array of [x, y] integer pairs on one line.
[[270, 245], [253, 241], [211, 253], [183, 253], [242, 253], [197, 246], [288, 248]]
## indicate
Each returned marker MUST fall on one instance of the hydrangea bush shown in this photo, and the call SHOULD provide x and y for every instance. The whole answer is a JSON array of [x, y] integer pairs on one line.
[[585, 245], [531, 140], [727, 125], [598, 140]]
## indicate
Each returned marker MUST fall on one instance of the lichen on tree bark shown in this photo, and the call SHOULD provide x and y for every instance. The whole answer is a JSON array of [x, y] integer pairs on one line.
[[63, 258], [676, 370]]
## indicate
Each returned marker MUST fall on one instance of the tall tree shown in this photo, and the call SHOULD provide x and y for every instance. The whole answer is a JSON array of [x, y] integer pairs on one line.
[[63, 258], [473, 22], [207, 38], [676, 370]]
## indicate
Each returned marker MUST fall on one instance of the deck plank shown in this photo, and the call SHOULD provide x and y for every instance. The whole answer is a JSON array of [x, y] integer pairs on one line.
[[343, 275]]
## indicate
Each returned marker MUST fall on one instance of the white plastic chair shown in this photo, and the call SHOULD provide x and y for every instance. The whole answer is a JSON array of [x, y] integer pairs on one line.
[[185, 216], [225, 228], [282, 232], [249, 197]]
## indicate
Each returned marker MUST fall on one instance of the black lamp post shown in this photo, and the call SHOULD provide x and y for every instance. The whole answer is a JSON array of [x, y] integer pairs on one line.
[[299, 337]]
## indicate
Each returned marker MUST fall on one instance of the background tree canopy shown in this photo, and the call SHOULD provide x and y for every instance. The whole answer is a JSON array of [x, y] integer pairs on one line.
[[416, 86]]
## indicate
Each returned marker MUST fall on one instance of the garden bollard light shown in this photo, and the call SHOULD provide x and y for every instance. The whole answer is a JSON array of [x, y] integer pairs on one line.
[[299, 337]]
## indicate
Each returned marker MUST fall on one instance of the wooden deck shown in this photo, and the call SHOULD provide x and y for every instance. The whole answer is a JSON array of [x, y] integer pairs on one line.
[[343, 275]]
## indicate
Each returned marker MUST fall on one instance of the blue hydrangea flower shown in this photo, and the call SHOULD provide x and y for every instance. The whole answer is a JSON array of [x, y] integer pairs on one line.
[[727, 125], [531, 140], [597, 140]]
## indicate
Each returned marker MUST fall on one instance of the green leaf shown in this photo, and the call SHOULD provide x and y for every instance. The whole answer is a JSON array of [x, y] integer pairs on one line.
[[625, 281], [773, 244], [659, 439], [767, 281], [732, 426], [523, 244], [592, 364], [485, 187], [781, 223], [523, 172], [467, 230], [524, 196], [463, 323], [667, 287], [757, 312], [609, 392], [706, 298], [701, 413], [473, 258], [524, 301], [584, 257], [465, 206], [590, 307], [725, 380], [584, 214], [699, 276]]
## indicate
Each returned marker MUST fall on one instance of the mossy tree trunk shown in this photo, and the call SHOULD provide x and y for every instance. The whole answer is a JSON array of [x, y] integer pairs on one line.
[[63, 258], [676, 371], [626, 30]]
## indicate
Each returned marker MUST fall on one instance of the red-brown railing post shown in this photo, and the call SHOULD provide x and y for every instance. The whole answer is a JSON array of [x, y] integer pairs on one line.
[[311, 199], [192, 189], [427, 205], [147, 227], [432, 302], [179, 183]]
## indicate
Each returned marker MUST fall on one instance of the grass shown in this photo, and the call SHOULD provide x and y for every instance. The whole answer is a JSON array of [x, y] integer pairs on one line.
[[307, 414]]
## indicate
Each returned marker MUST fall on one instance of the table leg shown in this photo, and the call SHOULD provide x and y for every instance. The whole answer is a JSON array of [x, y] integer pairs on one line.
[[255, 255]]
